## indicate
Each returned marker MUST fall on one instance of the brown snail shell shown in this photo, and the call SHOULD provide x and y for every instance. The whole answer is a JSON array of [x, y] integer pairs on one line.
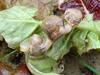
[[51, 26], [73, 16], [35, 42], [54, 27], [36, 45], [39, 44]]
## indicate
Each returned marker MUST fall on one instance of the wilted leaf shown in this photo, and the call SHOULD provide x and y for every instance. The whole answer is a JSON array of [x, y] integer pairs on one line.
[[44, 7], [29, 3]]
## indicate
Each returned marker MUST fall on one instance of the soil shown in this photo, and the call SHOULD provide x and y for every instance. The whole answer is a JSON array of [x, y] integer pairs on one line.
[[73, 67]]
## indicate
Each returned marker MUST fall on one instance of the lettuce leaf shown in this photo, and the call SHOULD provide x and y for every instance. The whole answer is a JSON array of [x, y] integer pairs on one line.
[[16, 24], [88, 24], [41, 66], [85, 40], [93, 36], [93, 41], [79, 40], [60, 47]]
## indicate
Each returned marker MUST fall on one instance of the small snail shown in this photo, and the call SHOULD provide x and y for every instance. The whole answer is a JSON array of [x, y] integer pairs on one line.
[[73, 16], [35, 42], [54, 27], [36, 45]]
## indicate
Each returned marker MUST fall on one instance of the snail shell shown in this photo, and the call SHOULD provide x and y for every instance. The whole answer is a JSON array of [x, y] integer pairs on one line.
[[39, 44], [65, 29], [35, 42], [36, 45], [73, 16], [54, 27], [51, 26]]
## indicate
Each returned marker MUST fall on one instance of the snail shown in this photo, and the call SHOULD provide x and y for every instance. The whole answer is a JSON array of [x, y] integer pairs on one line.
[[73, 16], [36, 45], [54, 27]]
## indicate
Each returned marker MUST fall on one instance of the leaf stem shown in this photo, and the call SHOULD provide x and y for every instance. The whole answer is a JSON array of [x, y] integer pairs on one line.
[[7, 56], [86, 11], [21, 20]]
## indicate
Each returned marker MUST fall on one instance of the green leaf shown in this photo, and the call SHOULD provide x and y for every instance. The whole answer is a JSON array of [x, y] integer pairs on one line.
[[17, 24], [93, 41], [60, 47], [88, 24], [79, 40], [45, 64], [56, 50], [93, 36], [85, 40], [41, 66]]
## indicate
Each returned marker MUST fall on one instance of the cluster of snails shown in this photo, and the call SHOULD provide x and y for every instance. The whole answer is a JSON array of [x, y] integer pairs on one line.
[[53, 27]]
